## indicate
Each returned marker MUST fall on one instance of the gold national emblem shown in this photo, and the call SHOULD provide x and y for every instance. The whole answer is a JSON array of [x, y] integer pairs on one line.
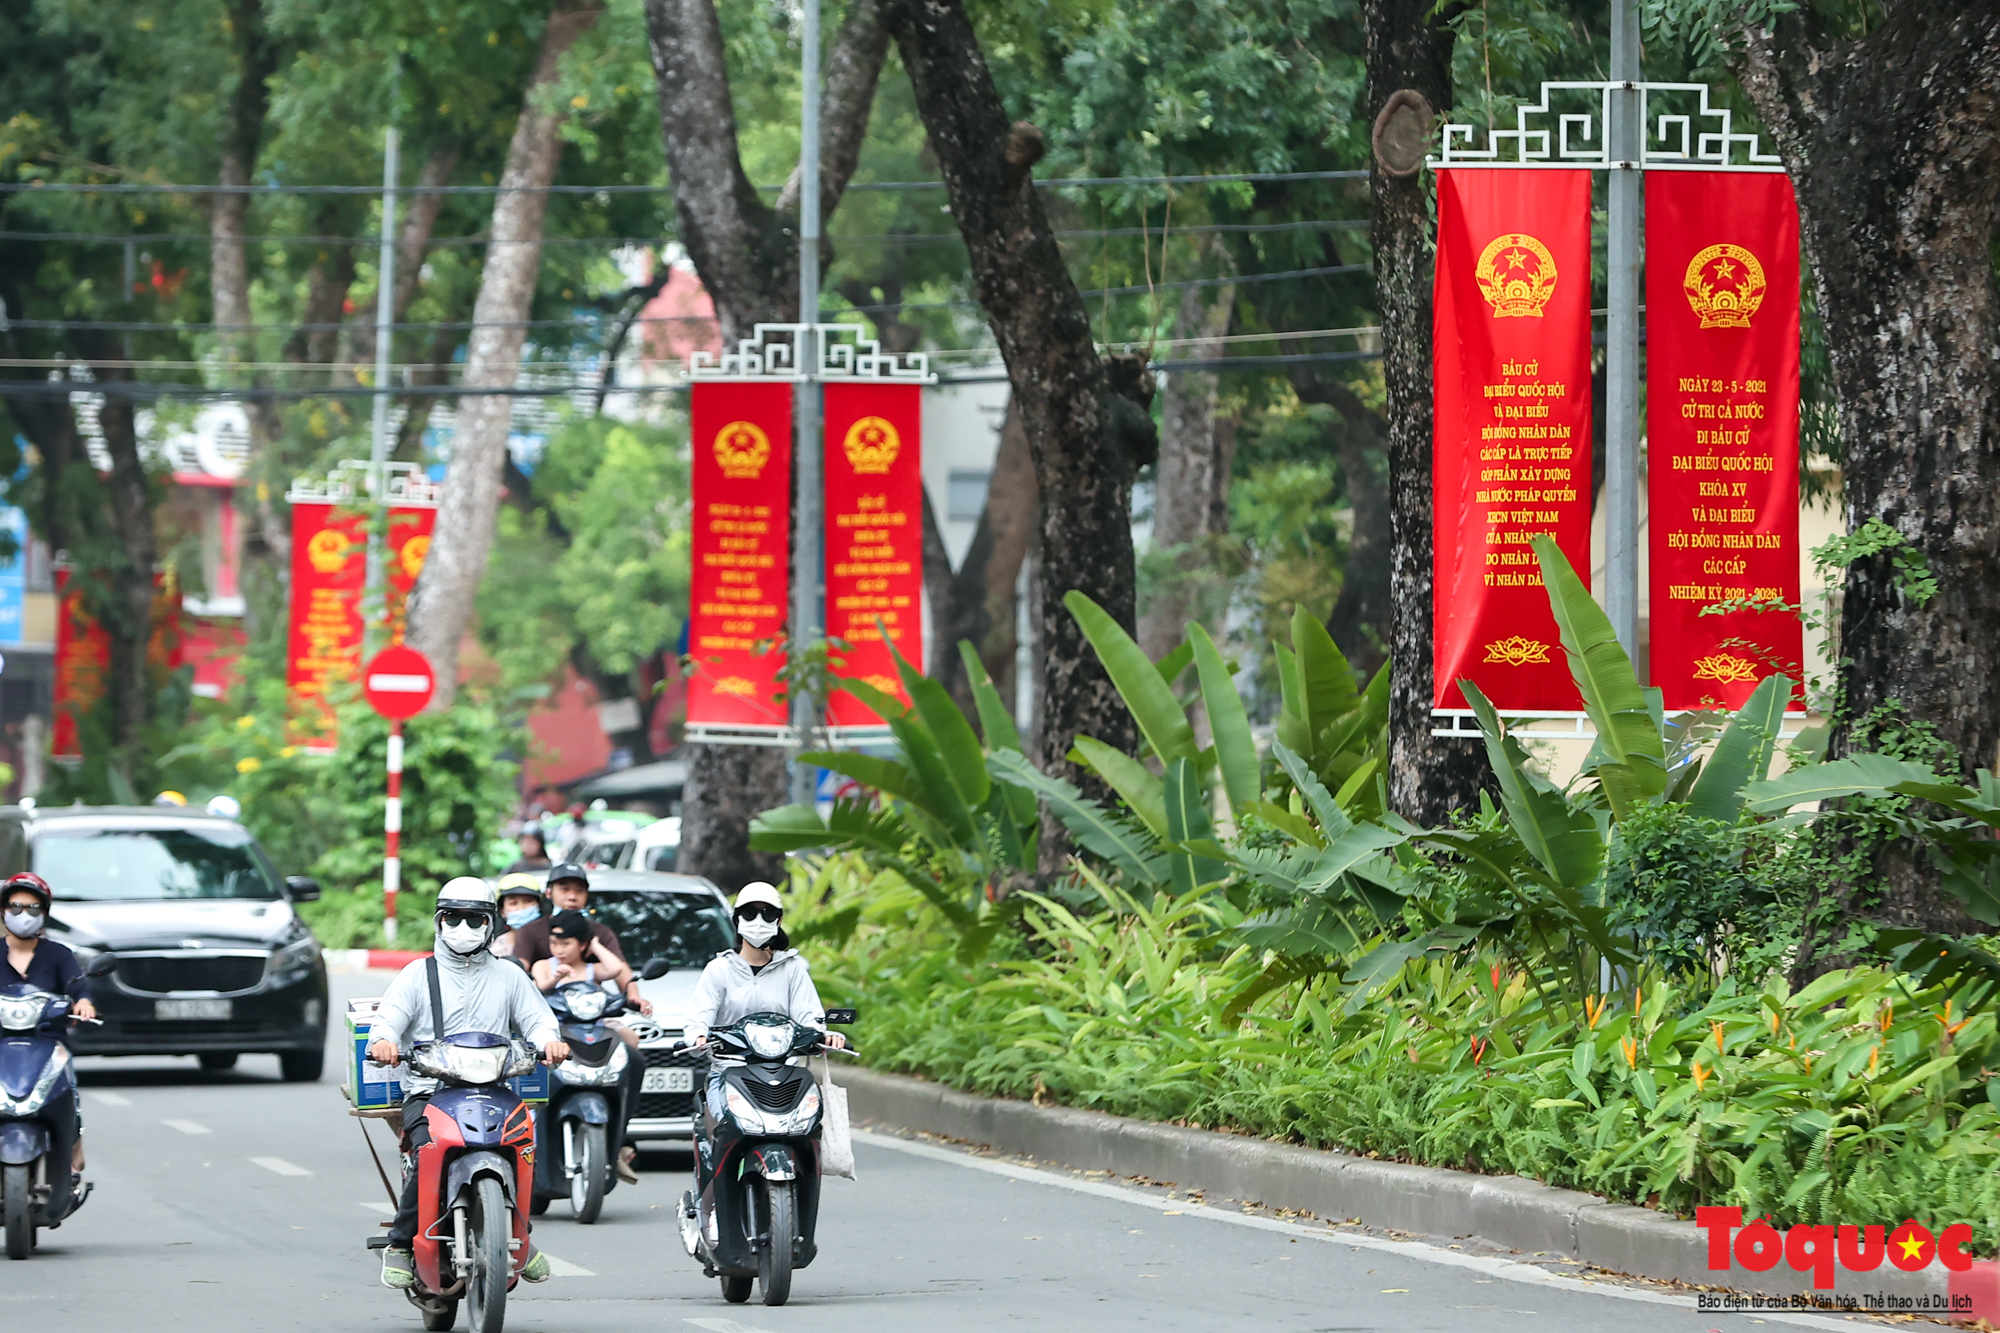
[[1725, 285], [742, 448], [871, 444], [736, 684], [1724, 669], [1516, 275], [328, 550], [886, 684], [411, 557], [1517, 651]]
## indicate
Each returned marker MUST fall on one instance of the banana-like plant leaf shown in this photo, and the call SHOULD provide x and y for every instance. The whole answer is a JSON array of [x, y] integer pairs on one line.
[[957, 746], [1138, 786], [1627, 726], [1296, 827], [935, 792], [1333, 821], [1357, 729], [1097, 829], [1235, 747], [1187, 821], [1293, 728], [1326, 681], [996, 720], [1356, 783], [1563, 840], [887, 705], [1743, 755], [1175, 662], [1161, 719], [1358, 844], [1856, 775], [883, 775]]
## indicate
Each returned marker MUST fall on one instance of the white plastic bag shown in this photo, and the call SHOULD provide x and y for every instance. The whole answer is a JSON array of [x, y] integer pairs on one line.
[[836, 1143]]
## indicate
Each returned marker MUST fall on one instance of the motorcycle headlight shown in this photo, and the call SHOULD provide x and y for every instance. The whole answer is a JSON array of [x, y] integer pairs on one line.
[[586, 1006], [769, 1039], [22, 1013], [802, 1116], [580, 1075], [747, 1116], [463, 1064]]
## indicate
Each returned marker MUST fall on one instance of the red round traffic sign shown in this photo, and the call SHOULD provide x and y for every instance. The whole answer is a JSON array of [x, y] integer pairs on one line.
[[399, 682]]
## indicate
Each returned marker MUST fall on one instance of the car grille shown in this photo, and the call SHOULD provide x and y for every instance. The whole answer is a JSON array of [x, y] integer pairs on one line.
[[668, 1105], [217, 972], [780, 1096]]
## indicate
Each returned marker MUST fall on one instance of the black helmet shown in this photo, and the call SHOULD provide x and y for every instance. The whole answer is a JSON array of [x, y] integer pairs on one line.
[[568, 870]]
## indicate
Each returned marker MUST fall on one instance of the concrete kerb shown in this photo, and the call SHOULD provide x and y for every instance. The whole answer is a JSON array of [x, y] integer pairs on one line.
[[1508, 1211]]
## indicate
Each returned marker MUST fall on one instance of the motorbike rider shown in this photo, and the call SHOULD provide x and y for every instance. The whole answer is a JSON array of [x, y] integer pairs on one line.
[[521, 904], [45, 964], [764, 974], [569, 890], [576, 952], [481, 993], [534, 850]]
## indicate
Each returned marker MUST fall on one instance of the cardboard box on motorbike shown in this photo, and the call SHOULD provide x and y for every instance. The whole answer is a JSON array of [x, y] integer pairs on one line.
[[373, 1087]]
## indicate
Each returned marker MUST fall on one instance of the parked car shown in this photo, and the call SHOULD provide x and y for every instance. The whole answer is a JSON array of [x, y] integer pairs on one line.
[[683, 919], [654, 846], [211, 959]]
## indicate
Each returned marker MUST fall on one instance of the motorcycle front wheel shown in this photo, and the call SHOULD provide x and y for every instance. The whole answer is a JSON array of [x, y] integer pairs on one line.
[[774, 1261], [17, 1197], [489, 1229], [586, 1187]]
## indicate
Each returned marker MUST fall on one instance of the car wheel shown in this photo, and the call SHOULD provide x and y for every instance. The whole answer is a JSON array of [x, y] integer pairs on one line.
[[217, 1061], [302, 1066]]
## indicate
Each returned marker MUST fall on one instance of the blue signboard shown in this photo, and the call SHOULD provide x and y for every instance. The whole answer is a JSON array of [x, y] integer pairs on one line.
[[13, 574]]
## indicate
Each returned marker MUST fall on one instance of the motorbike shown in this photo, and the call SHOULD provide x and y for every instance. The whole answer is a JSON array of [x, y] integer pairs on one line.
[[474, 1179], [38, 1121], [753, 1214], [586, 1100]]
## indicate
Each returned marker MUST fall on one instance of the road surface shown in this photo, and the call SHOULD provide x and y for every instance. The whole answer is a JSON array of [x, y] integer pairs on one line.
[[237, 1202]]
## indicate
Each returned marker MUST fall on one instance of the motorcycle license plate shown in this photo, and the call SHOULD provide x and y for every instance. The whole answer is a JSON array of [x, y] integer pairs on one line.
[[182, 1010], [669, 1080]]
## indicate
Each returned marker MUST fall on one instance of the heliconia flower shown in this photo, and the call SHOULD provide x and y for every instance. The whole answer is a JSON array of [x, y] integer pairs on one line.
[[1874, 1055], [1638, 998], [1776, 1018], [1701, 1076], [1716, 1028], [1496, 976], [1631, 1048], [1593, 1009], [1479, 1045], [1888, 1015]]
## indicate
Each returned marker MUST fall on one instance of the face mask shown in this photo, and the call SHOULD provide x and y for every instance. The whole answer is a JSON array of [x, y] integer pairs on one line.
[[463, 940], [520, 918], [757, 931], [26, 925]]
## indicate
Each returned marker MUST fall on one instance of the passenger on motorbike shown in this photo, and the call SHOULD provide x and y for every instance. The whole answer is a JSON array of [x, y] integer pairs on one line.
[[42, 963], [521, 904], [763, 975], [481, 993]]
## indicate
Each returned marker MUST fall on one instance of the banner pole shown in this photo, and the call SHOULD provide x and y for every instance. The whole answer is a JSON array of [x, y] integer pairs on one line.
[[392, 832], [806, 630], [373, 597], [1621, 351]]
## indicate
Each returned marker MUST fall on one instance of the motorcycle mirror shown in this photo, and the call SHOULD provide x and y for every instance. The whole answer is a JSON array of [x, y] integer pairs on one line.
[[302, 888], [101, 966], [841, 1016], [654, 969]]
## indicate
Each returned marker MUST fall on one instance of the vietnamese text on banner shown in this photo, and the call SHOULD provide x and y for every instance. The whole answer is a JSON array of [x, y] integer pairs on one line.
[[874, 537]]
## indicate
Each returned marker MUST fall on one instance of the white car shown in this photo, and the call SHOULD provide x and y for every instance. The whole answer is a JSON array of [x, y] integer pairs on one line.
[[619, 845]]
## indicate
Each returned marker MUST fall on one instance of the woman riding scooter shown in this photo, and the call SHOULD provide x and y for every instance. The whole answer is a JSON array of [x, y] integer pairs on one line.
[[764, 975], [43, 963]]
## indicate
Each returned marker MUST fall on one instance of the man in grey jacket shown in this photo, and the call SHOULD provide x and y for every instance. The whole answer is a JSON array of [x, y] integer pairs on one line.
[[480, 993]]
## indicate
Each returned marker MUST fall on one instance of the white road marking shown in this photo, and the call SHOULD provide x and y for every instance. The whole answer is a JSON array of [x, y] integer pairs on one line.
[[108, 1098], [564, 1268], [381, 1208], [281, 1166], [187, 1126], [714, 1325], [1408, 1249]]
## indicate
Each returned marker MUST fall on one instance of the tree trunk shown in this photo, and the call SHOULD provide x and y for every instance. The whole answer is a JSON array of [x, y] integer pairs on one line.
[[1893, 143], [327, 283], [1409, 46], [1086, 423], [1191, 493], [441, 607], [976, 602], [1361, 616], [746, 253], [128, 619]]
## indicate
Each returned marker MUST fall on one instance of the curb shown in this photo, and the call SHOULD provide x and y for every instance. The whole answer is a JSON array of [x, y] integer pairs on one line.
[[362, 959], [1509, 1211]]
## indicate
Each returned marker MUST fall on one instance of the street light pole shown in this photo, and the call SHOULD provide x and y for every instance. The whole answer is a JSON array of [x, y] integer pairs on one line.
[[373, 600], [1621, 349], [806, 543]]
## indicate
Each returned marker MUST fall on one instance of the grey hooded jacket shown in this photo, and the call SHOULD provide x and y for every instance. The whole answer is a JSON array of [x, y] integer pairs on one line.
[[481, 994], [729, 990]]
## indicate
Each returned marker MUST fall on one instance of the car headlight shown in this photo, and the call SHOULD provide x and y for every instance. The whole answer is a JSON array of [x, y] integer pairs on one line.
[[295, 957], [22, 1013], [769, 1039]]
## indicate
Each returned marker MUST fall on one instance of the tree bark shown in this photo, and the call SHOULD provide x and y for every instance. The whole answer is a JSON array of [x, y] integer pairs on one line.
[[1360, 622], [1191, 490], [441, 606], [1086, 421], [1409, 46], [327, 283], [128, 616], [747, 255], [976, 602], [1892, 140]]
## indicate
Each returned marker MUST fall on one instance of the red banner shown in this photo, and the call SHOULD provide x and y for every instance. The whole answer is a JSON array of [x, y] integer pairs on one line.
[[874, 537], [1512, 434], [329, 572], [1722, 431], [83, 656], [742, 482]]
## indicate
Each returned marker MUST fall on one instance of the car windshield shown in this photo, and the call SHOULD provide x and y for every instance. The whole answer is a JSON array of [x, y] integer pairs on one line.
[[101, 864], [684, 929]]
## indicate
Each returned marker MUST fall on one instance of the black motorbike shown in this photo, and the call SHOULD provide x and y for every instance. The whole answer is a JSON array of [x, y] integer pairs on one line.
[[38, 1120], [576, 1132], [754, 1210]]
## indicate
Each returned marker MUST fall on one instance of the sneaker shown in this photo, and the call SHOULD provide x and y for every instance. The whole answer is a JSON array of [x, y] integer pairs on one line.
[[399, 1270], [626, 1172], [536, 1269]]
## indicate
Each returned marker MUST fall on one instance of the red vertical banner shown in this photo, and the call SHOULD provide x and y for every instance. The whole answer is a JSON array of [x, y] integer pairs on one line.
[[83, 664], [409, 542], [1511, 454], [1722, 431], [329, 566], [874, 537], [742, 482]]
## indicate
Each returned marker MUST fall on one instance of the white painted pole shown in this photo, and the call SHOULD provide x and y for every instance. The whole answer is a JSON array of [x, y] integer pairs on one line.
[[378, 450], [806, 629], [1621, 352]]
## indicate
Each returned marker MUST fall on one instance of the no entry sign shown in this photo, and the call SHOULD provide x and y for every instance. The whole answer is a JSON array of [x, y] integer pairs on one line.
[[399, 682]]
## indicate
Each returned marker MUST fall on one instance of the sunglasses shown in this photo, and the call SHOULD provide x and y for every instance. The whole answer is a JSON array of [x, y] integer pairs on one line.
[[463, 918], [759, 912], [32, 909]]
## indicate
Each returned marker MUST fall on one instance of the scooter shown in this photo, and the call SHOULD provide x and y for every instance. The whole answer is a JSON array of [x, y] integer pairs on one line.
[[586, 1099], [474, 1179], [38, 1121], [754, 1210]]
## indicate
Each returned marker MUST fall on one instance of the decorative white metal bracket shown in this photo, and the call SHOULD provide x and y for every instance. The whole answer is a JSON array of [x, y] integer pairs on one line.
[[1697, 138], [1463, 723], [352, 481], [840, 353]]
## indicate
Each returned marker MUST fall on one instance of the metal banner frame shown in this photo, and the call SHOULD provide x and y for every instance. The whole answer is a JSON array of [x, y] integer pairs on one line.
[[352, 482]]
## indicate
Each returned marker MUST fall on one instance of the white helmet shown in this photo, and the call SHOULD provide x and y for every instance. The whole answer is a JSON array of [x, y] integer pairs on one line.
[[758, 891], [471, 896]]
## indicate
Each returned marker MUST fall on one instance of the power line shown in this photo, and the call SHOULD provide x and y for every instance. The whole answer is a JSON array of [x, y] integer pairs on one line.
[[1182, 285]]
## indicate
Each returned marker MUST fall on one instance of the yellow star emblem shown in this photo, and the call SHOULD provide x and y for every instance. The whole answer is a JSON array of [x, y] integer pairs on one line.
[[1910, 1246], [1724, 269]]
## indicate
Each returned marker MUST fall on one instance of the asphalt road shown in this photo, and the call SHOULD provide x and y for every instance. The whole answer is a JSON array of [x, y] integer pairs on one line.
[[237, 1202]]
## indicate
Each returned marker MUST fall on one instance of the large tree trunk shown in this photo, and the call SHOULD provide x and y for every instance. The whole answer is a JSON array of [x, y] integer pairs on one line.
[[747, 256], [1086, 422], [1191, 490], [1362, 614], [1893, 143], [976, 602], [441, 607], [1409, 46], [128, 618]]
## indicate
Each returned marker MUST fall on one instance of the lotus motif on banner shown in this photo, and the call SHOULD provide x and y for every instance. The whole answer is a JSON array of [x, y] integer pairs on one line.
[[1517, 651], [1724, 668], [1517, 275]]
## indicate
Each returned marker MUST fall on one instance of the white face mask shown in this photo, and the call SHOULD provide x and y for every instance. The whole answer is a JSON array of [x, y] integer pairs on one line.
[[757, 931], [26, 925], [463, 940]]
